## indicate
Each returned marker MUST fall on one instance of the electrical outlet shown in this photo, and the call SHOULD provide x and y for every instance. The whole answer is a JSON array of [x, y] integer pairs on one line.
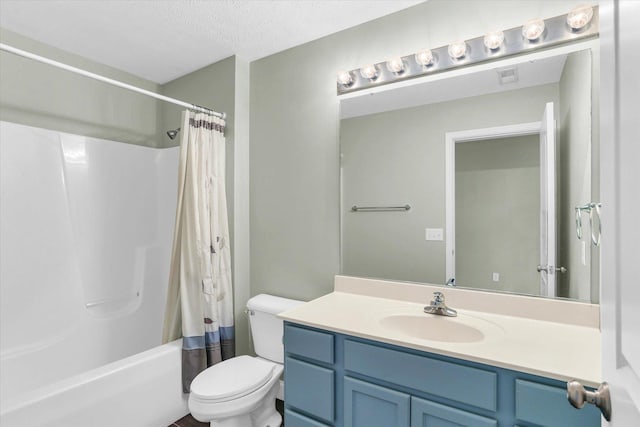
[[496, 277], [434, 234]]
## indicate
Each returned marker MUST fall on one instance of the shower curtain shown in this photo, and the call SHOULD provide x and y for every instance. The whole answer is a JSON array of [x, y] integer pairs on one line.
[[200, 297]]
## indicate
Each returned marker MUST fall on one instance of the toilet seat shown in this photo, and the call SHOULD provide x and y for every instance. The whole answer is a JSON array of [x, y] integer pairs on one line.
[[231, 379]]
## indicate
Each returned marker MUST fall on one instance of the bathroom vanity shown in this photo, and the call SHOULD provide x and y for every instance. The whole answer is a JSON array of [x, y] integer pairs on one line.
[[366, 355]]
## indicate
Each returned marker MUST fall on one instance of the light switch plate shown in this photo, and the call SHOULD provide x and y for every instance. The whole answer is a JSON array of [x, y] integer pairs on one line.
[[436, 234]]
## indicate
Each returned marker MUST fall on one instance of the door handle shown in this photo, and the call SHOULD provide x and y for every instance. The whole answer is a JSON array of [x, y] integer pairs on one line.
[[548, 269], [578, 396]]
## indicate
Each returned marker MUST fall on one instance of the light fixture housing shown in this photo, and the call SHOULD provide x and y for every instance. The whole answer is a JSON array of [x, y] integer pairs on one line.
[[532, 30], [493, 39], [345, 78], [457, 49], [535, 34], [579, 17], [396, 65], [369, 72], [425, 57]]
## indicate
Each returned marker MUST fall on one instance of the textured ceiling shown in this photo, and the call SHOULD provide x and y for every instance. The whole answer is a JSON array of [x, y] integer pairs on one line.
[[161, 40]]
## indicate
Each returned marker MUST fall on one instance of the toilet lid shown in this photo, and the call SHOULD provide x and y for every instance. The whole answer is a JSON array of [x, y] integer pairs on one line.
[[234, 377]]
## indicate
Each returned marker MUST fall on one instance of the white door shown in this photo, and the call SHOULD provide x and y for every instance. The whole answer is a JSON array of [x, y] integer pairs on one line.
[[620, 184], [547, 266]]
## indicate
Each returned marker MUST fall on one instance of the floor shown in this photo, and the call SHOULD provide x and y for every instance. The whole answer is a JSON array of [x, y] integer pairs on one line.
[[189, 421]]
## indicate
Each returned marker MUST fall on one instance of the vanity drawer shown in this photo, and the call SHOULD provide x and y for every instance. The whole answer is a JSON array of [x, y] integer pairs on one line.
[[547, 405], [459, 383], [309, 388], [310, 344]]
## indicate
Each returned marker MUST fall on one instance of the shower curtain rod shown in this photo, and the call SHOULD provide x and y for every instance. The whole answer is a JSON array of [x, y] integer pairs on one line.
[[104, 79]]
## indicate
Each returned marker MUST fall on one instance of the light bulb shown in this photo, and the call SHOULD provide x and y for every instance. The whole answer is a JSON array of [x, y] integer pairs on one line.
[[369, 72], [395, 65], [533, 29], [579, 17], [493, 39], [345, 78], [425, 57], [457, 49]]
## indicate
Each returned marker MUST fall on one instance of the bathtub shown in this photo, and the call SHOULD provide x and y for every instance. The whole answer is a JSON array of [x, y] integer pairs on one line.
[[85, 239], [140, 390]]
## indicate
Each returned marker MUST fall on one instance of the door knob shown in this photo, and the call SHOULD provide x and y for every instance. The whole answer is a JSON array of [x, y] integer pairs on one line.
[[578, 396]]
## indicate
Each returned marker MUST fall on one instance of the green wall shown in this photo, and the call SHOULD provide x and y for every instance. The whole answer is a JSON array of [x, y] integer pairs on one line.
[[40, 95]]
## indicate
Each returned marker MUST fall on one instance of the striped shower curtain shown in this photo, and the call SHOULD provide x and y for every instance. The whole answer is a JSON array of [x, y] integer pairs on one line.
[[200, 297]]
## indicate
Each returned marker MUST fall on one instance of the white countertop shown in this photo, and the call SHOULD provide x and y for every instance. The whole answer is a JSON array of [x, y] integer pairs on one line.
[[562, 351]]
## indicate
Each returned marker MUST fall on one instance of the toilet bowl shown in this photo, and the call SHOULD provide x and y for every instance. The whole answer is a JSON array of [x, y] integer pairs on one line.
[[241, 391]]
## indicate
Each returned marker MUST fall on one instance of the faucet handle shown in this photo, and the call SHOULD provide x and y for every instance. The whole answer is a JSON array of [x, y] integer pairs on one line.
[[438, 297]]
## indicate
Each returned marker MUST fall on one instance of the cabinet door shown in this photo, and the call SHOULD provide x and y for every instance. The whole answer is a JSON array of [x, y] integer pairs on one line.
[[425, 413], [369, 405]]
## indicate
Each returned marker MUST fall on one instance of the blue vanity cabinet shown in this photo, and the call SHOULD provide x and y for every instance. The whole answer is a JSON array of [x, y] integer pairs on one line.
[[335, 380]]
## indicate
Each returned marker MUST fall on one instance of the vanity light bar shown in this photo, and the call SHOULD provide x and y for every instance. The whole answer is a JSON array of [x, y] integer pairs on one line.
[[556, 31]]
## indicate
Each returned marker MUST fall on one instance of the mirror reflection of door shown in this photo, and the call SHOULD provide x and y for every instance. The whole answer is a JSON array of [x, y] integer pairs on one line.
[[497, 201], [503, 207], [493, 222]]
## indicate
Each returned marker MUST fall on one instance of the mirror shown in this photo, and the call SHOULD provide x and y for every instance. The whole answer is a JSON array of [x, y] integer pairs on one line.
[[473, 178]]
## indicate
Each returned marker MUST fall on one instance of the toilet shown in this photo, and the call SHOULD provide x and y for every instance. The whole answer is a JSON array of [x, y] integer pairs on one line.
[[241, 391]]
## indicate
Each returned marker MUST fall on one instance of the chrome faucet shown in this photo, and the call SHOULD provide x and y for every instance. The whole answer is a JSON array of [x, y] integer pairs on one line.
[[438, 306]]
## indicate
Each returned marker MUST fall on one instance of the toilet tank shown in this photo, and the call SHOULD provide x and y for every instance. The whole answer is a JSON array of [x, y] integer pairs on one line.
[[266, 328]]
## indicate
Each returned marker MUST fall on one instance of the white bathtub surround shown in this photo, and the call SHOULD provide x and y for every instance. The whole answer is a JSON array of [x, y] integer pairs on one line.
[[86, 236], [552, 338], [200, 296]]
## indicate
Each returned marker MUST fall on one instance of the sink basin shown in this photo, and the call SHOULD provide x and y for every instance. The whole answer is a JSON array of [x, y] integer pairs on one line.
[[432, 328]]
